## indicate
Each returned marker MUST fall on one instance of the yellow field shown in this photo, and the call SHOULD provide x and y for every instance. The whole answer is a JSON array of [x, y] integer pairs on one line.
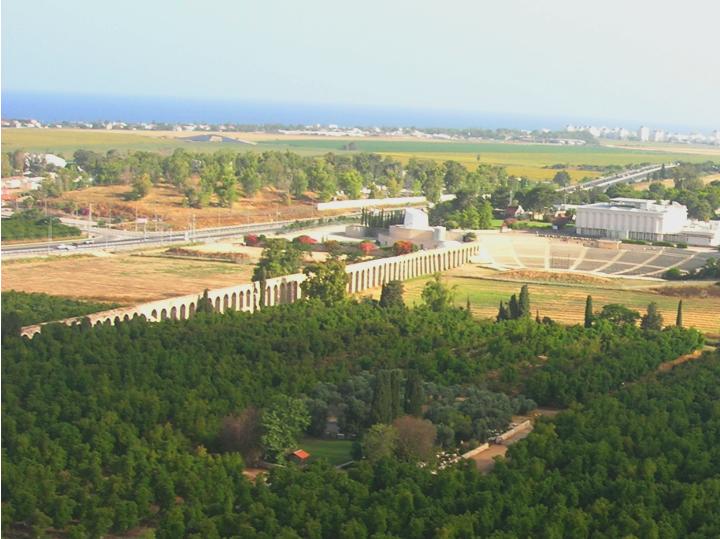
[[670, 183], [122, 278], [536, 172], [565, 302]]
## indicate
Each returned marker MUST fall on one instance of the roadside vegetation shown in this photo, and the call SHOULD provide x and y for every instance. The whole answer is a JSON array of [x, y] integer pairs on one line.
[[33, 225]]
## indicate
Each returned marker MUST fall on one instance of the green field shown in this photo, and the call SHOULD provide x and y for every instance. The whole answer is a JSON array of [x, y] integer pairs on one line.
[[334, 451], [528, 160], [65, 142]]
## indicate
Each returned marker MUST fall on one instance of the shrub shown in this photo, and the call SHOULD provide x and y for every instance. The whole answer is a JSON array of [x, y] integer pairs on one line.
[[366, 247], [305, 240], [673, 274], [681, 245], [252, 240], [663, 244], [469, 236], [333, 247], [403, 247], [635, 242]]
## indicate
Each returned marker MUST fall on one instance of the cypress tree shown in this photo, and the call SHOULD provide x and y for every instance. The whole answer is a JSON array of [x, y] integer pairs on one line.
[[679, 317], [414, 394], [524, 303], [392, 294], [381, 407], [652, 320], [502, 312], [537, 316], [204, 305], [514, 307], [467, 305], [396, 404], [588, 312]]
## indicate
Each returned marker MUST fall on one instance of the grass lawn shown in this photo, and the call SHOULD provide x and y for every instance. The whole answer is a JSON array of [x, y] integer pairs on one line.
[[334, 451], [497, 223]]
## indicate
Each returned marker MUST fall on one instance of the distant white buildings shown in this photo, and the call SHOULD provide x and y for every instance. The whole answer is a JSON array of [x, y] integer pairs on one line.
[[645, 134], [647, 220]]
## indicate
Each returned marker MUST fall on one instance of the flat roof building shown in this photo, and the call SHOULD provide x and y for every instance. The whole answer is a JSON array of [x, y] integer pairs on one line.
[[647, 220]]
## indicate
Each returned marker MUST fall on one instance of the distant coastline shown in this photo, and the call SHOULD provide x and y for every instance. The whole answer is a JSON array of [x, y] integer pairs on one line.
[[66, 107]]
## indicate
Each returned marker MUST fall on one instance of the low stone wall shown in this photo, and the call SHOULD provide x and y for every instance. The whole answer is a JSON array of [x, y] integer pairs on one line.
[[375, 202], [286, 289], [513, 431], [479, 449]]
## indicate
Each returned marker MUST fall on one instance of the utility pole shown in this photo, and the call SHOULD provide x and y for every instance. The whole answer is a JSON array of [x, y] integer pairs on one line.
[[49, 226], [107, 236]]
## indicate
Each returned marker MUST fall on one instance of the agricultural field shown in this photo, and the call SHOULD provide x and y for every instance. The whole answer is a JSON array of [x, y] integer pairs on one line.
[[527, 160], [670, 183], [563, 300], [122, 279]]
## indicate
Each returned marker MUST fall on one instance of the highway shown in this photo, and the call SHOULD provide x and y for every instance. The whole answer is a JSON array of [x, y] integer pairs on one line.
[[626, 176], [111, 239]]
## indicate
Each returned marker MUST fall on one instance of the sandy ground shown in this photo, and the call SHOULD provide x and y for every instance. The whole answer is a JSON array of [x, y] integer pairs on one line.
[[485, 461], [164, 208], [671, 183], [122, 278]]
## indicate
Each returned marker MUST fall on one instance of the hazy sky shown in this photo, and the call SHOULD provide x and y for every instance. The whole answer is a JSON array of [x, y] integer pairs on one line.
[[648, 61]]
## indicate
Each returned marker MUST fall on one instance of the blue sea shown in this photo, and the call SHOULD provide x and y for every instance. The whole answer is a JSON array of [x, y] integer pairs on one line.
[[63, 107]]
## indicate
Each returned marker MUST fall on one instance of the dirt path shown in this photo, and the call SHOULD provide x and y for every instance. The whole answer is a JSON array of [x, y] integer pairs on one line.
[[667, 366], [485, 461]]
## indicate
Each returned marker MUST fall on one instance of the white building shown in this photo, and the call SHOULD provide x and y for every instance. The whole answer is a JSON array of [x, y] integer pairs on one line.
[[644, 133], [417, 230], [659, 135], [647, 220]]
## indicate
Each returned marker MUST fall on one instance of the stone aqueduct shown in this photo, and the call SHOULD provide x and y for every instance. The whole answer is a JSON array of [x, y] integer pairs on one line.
[[285, 289]]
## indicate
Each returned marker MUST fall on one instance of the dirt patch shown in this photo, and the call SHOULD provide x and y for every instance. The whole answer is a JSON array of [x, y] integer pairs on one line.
[[164, 208], [552, 277], [485, 461], [253, 473], [181, 252], [670, 365], [690, 291], [124, 279]]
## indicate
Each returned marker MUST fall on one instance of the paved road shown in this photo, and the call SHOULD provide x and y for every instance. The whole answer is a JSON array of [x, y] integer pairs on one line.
[[104, 238], [627, 176]]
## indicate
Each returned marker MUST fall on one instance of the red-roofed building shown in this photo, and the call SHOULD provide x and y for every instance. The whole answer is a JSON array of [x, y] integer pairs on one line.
[[300, 456]]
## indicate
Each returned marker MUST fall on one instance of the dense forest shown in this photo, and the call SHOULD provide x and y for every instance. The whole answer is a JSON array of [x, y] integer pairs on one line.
[[641, 463], [109, 427], [35, 307]]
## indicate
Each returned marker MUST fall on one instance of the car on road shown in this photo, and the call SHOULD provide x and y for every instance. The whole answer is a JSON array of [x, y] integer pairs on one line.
[[65, 247]]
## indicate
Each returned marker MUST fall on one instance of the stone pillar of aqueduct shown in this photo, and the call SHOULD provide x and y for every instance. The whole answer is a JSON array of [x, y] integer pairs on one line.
[[286, 289]]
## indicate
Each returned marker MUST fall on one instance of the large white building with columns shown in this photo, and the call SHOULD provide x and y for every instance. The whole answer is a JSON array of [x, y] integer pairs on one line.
[[647, 220]]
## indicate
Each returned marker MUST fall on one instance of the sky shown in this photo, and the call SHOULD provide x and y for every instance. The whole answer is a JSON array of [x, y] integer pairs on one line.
[[652, 62]]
